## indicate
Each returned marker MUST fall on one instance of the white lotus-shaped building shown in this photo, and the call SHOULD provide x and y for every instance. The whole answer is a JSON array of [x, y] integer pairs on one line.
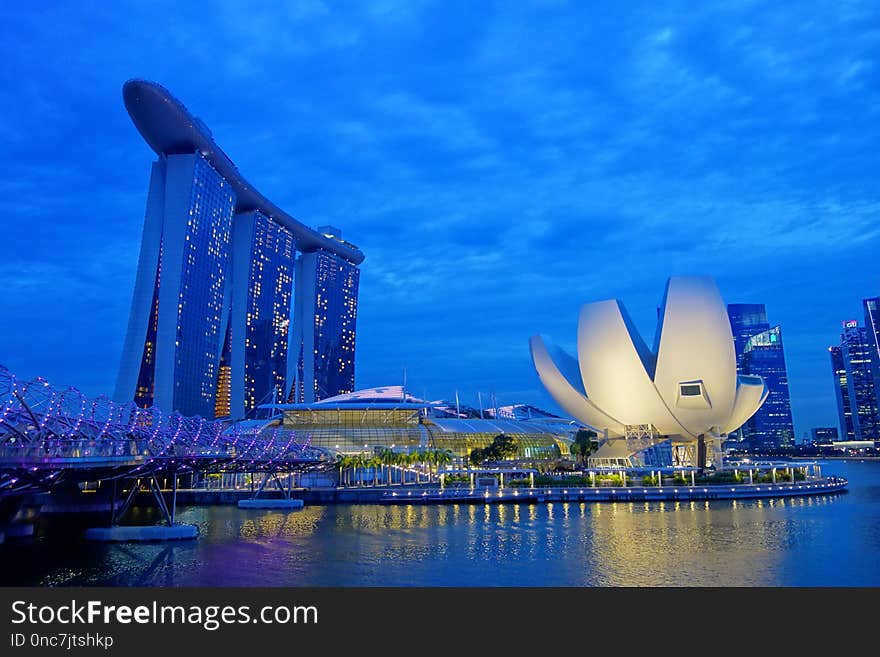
[[686, 388]]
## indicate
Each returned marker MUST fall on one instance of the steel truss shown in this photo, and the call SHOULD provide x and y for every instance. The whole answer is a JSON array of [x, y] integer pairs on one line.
[[50, 435]]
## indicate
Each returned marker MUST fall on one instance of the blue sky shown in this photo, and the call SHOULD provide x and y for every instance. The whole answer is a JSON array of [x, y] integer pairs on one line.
[[500, 163]]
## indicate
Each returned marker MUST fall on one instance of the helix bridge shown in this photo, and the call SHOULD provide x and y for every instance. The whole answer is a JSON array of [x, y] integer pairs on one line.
[[52, 437]]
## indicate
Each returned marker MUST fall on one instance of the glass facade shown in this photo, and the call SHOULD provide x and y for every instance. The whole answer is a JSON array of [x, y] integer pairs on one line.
[[143, 394], [223, 401], [200, 300], [760, 352], [872, 326], [841, 394], [855, 352], [186, 240], [361, 429], [327, 316], [357, 429], [269, 295], [771, 426], [656, 455], [746, 320]]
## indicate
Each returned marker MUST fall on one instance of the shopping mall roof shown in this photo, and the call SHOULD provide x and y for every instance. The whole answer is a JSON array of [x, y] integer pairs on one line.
[[513, 427], [346, 406]]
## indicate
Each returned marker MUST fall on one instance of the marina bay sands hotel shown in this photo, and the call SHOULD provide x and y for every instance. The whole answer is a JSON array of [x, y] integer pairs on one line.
[[236, 303]]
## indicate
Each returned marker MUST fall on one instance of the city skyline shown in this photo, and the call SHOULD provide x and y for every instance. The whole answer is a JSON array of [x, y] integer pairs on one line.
[[474, 207]]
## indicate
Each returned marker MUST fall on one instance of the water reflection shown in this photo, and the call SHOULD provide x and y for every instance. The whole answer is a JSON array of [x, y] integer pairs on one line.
[[819, 540]]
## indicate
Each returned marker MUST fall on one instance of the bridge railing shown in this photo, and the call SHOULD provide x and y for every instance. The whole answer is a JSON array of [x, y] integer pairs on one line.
[[39, 422], [75, 449]]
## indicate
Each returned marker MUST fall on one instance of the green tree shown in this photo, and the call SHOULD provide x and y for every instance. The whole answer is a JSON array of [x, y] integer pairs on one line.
[[346, 463], [388, 458], [375, 463], [582, 446], [359, 462], [442, 457], [503, 447]]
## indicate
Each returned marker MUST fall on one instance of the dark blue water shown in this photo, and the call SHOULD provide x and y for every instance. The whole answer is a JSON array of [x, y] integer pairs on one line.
[[817, 541]]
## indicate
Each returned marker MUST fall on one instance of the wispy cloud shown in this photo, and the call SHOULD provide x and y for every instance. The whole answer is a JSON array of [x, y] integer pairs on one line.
[[499, 165]]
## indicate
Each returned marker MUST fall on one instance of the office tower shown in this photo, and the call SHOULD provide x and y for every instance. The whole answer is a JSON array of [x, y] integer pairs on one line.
[[841, 394], [179, 307], [262, 286], [209, 329], [760, 351], [324, 325], [872, 326], [746, 320], [854, 384], [771, 426]]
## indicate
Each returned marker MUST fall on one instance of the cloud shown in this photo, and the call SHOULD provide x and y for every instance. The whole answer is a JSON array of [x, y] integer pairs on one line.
[[499, 165]]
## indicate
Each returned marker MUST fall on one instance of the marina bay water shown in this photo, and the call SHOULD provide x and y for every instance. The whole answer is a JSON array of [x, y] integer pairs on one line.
[[827, 540]]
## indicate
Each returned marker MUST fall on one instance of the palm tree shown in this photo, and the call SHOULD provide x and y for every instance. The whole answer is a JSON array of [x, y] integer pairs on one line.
[[442, 457], [360, 462], [375, 463], [420, 459], [425, 460], [388, 458], [410, 459], [395, 460], [345, 463]]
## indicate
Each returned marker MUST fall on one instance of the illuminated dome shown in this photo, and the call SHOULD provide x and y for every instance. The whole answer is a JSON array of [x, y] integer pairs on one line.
[[686, 386]]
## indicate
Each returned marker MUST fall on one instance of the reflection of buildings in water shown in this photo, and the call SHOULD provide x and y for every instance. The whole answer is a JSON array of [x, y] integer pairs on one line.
[[679, 544], [274, 525], [733, 543], [219, 522], [689, 543]]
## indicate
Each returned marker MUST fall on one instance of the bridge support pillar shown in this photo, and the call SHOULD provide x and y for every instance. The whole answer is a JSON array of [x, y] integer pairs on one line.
[[286, 503], [171, 530]]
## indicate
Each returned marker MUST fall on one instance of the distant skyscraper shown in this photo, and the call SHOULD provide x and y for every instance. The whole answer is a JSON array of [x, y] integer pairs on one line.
[[746, 320], [324, 325], [759, 351], [209, 330], [841, 394], [771, 426], [872, 326], [854, 384]]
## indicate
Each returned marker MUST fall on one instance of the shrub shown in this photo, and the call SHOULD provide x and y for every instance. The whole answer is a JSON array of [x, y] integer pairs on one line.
[[718, 478]]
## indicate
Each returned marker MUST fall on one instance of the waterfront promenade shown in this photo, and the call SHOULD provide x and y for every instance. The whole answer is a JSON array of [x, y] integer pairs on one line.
[[433, 494]]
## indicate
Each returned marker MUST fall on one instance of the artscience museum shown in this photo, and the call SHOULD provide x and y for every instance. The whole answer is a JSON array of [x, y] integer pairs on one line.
[[672, 403]]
